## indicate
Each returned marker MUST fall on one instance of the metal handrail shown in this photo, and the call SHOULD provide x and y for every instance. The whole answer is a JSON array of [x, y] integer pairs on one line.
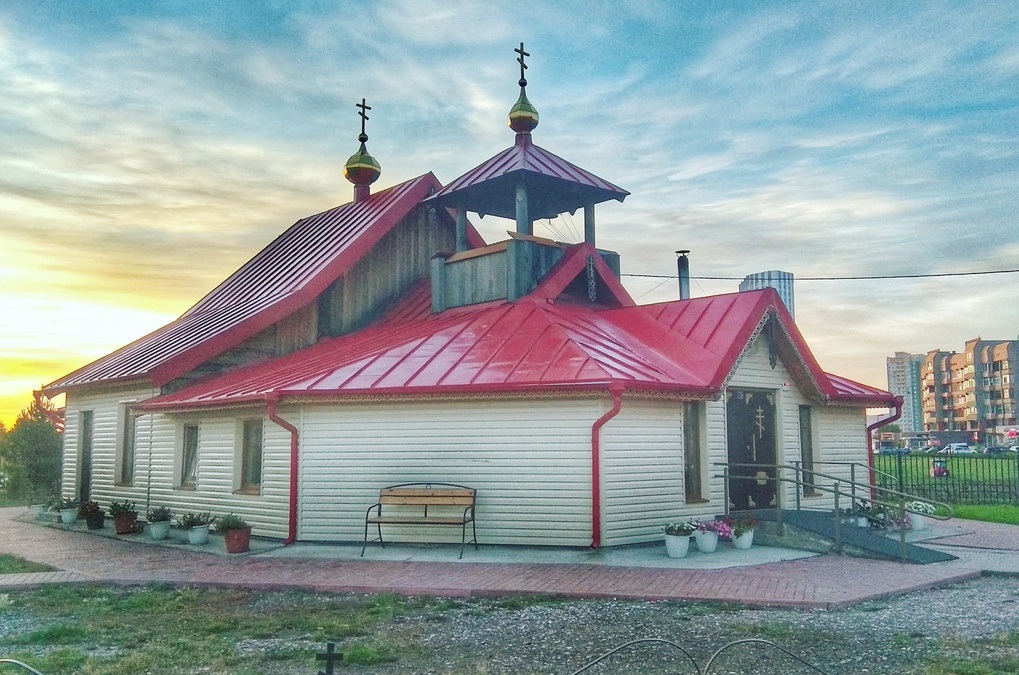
[[836, 491]]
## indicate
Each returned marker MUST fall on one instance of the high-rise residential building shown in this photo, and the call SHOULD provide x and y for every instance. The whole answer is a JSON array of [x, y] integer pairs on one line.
[[780, 281], [904, 380], [973, 392]]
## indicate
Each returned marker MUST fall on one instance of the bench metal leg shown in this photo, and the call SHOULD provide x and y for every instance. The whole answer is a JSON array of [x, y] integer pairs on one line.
[[365, 544]]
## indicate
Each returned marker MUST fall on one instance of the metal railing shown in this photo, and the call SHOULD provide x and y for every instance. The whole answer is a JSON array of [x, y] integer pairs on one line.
[[884, 500]]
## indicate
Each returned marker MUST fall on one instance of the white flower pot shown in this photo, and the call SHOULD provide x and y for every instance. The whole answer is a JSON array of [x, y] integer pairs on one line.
[[707, 542], [160, 530], [861, 521], [744, 540], [919, 522], [69, 516], [199, 534], [676, 545]]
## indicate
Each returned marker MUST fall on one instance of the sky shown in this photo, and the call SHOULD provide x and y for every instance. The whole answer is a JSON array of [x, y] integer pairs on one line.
[[150, 149]]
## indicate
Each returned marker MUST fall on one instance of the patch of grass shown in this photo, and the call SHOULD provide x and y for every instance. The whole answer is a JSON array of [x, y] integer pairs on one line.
[[117, 630], [991, 513], [12, 564]]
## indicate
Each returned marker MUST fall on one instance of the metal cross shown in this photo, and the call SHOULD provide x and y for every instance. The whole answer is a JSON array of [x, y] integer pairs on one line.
[[760, 421], [364, 117], [330, 657], [523, 66]]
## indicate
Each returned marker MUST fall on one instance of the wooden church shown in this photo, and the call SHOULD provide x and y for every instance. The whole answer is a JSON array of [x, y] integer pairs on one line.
[[383, 342]]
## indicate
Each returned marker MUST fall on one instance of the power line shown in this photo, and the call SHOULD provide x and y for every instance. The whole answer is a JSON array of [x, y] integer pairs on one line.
[[856, 278]]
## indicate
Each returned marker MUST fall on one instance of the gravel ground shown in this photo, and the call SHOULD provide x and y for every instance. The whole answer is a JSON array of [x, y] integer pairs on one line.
[[898, 635]]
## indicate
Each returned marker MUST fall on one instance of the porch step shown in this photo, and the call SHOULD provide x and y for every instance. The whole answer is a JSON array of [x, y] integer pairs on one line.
[[815, 530]]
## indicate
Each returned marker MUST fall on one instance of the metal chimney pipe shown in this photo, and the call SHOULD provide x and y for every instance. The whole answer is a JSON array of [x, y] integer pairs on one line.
[[683, 263]]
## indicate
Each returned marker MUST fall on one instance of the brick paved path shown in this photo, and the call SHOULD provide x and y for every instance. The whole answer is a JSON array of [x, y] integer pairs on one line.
[[818, 582]]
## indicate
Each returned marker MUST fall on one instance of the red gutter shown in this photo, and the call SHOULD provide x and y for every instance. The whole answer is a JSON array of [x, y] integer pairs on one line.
[[617, 402], [870, 445], [271, 401]]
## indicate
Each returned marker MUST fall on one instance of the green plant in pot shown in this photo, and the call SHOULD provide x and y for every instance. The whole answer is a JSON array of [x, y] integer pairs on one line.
[[159, 518], [236, 533], [125, 517], [197, 526], [68, 508], [93, 515]]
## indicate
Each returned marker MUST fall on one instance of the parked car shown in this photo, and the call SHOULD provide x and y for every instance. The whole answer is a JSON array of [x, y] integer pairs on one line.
[[995, 450], [957, 449]]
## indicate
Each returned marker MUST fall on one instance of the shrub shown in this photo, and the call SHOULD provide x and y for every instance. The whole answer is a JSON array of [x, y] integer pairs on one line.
[[189, 520], [121, 508], [160, 514], [231, 522]]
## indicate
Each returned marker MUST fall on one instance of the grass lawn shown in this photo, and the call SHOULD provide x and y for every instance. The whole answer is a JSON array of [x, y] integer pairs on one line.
[[991, 513], [10, 564]]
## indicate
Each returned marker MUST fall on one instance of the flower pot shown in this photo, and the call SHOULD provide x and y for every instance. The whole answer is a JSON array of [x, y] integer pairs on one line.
[[677, 545], [237, 541], [126, 523], [861, 521], [707, 542], [744, 540], [159, 529], [919, 521], [198, 535], [95, 521], [69, 516]]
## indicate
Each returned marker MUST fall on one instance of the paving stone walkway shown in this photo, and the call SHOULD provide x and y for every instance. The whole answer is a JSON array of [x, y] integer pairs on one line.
[[822, 582]]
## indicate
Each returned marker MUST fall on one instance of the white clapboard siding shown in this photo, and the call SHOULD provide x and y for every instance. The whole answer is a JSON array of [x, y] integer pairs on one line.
[[157, 463], [642, 470], [839, 433], [528, 459], [107, 408]]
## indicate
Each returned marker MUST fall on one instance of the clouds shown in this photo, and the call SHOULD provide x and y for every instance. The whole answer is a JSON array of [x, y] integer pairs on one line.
[[150, 150]]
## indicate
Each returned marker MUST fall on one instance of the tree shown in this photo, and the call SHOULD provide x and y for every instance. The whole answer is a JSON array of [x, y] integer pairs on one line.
[[31, 452]]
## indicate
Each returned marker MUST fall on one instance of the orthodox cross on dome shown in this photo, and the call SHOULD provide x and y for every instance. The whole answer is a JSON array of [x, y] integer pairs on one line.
[[361, 168], [363, 105], [523, 66], [523, 116]]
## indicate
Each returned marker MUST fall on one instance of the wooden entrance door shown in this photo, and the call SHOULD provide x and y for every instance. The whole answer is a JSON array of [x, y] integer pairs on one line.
[[85, 457], [751, 439]]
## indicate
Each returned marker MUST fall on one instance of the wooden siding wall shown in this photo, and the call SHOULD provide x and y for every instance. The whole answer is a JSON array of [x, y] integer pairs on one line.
[[529, 460], [472, 280], [398, 261], [157, 463]]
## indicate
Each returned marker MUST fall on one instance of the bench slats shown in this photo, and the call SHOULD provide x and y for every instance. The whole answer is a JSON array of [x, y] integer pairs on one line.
[[411, 520], [411, 500]]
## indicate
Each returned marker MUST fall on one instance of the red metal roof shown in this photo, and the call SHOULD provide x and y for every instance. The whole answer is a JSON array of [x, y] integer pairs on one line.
[[530, 344], [554, 185], [286, 275]]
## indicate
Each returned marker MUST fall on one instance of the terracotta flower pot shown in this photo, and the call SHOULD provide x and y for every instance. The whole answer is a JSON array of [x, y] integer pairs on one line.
[[126, 523], [237, 541]]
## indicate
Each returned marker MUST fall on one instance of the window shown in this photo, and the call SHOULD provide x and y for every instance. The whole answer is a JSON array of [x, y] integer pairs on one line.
[[807, 450], [128, 435], [251, 456], [692, 450], [189, 457]]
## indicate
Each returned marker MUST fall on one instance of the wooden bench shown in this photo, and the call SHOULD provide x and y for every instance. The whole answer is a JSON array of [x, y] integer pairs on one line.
[[408, 504]]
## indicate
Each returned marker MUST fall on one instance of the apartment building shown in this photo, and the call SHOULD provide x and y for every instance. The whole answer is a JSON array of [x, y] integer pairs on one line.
[[972, 392], [904, 380]]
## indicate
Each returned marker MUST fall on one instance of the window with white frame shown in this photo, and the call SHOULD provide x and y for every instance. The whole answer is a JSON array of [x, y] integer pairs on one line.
[[189, 456], [251, 456], [693, 450], [128, 440]]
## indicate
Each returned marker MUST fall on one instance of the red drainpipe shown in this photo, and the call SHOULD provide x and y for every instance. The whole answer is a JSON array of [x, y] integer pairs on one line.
[[617, 403], [271, 401], [870, 444]]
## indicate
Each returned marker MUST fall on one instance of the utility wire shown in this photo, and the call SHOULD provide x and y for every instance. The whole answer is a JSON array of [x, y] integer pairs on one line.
[[858, 278]]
